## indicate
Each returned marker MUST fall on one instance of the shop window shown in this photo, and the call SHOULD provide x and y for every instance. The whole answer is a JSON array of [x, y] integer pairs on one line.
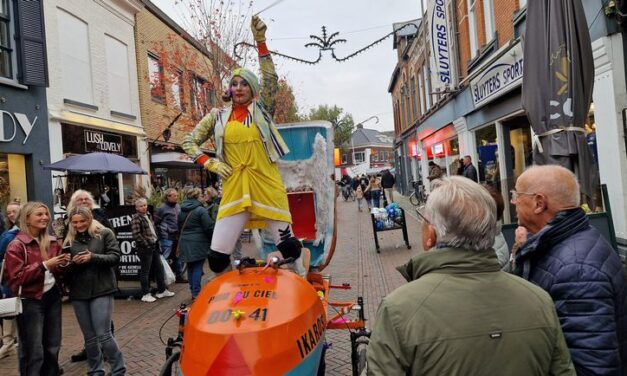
[[344, 159], [75, 58], [446, 155], [487, 150], [374, 158], [12, 179], [6, 48], [155, 77], [360, 157], [118, 75]]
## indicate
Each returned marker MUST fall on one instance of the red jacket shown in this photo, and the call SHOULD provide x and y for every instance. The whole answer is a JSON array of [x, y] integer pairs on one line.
[[29, 273]]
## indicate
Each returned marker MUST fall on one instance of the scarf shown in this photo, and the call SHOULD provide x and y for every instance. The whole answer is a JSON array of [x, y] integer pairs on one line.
[[562, 226]]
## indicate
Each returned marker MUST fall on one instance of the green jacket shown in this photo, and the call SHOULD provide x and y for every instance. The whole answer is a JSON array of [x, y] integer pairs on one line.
[[97, 277], [460, 315], [196, 234]]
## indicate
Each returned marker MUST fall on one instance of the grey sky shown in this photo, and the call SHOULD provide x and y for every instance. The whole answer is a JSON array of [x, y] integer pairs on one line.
[[358, 85]]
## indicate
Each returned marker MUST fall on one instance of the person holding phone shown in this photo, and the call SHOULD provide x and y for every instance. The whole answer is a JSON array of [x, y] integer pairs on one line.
[[33, 272], [91, 280]]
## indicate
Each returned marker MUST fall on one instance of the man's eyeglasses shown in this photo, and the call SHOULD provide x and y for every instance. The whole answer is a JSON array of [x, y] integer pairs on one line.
[[514, 194], [424, 219]]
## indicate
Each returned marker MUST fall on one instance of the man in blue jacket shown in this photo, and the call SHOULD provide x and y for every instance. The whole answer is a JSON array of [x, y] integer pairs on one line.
[[572, 261]]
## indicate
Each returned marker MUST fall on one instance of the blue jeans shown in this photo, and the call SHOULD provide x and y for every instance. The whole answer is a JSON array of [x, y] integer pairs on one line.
[[94, 318], [376, 196], [39, 335], [150, 261], [168, 251], [194, 276]]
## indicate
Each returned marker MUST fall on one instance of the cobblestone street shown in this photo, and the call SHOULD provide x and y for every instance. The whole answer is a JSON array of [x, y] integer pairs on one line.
[[139, 326]]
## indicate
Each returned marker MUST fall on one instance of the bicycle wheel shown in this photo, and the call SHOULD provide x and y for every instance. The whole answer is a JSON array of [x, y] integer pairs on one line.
[[171, 366], [413, 199], [360, 360]]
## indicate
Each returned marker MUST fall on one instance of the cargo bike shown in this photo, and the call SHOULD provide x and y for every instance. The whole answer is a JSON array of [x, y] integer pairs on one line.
[[268, 320]]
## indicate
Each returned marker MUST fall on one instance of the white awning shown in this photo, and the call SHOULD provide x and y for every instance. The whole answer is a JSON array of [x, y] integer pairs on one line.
[[173, 159]]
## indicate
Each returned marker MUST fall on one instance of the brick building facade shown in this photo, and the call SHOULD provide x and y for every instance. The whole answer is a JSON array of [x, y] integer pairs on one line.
[[177, 87]]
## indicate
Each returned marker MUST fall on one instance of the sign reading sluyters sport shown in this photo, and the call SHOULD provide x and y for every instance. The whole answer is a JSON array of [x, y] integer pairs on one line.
[[501, 76], [440, 60], [100, 141]]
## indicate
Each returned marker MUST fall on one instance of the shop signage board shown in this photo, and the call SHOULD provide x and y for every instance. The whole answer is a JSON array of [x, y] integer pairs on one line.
[[120, 218], [101, 141], [499, 77], [439, 38], [10, 121]]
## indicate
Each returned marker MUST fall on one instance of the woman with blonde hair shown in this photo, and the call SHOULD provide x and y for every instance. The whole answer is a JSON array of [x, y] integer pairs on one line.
[[33, 267], [91, 281]]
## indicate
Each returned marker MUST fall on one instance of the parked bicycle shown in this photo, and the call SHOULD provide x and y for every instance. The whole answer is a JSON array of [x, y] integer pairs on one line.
[[419, 195], [347, 191]]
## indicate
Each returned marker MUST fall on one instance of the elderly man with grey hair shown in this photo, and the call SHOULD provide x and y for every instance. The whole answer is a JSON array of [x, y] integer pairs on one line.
[[460, 314], [572, 261]]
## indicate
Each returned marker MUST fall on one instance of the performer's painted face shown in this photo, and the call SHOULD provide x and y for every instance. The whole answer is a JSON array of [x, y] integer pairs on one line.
[[241, 92]]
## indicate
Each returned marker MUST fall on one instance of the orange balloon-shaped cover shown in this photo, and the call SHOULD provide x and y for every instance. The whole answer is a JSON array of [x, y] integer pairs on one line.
[[255, 322]]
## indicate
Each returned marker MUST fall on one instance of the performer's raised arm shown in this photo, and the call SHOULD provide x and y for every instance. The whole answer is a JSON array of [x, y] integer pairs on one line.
[[269, 78]]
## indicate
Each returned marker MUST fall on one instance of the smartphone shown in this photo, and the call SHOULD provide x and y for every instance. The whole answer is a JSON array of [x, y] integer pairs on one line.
[[83, 252], [66, 249]]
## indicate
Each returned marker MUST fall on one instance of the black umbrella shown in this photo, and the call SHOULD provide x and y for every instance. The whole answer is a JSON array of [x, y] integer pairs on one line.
[[96, 163], [557, 86]]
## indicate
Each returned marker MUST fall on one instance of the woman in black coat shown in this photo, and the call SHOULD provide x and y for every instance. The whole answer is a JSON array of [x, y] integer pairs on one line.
[[91, 280]]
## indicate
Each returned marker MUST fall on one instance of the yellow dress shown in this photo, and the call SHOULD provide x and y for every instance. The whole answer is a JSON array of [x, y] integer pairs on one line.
[[255, 185]]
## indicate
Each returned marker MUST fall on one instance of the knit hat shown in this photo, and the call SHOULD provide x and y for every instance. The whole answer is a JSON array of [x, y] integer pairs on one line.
[[249, 76]]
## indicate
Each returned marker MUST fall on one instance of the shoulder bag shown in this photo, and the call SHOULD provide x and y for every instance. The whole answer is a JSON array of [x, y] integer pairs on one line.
[[178, 242], [10, 307]]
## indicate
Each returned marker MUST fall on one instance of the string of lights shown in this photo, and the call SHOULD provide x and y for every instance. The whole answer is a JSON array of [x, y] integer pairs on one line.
[[324, 43]]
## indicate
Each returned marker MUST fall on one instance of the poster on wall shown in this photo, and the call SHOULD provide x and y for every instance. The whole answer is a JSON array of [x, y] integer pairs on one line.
[[120, 218]]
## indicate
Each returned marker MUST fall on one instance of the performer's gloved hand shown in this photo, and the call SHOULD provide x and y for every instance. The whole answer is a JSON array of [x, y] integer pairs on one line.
[[220, 168], [258, 28]]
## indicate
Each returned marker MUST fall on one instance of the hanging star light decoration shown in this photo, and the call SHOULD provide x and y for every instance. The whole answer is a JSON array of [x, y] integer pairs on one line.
[[324, 43]]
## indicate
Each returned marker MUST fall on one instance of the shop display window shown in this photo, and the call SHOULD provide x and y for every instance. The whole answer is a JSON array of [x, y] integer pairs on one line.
[[487, 152], [12, 179], [446, 155]]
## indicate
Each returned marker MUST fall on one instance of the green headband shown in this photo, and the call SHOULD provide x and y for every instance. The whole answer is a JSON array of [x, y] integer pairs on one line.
[[249, 76]]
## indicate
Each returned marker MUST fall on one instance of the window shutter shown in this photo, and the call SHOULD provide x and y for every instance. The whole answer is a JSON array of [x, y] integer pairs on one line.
[[31, 42]]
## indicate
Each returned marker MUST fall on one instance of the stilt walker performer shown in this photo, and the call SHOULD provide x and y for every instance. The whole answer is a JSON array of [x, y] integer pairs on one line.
[[248, 145]]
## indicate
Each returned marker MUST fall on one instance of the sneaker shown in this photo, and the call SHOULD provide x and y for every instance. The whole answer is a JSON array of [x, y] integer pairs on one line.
[[8, 349], [164, 294], [148, 298]]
